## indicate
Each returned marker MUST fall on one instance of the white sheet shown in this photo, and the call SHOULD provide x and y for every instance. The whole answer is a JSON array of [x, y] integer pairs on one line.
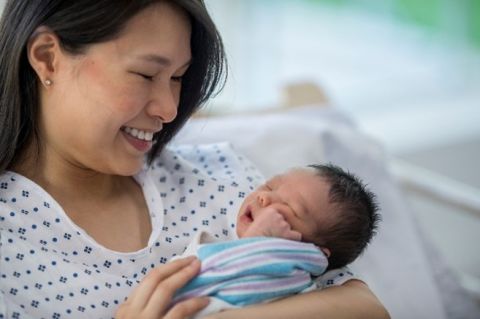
[[398, 265]]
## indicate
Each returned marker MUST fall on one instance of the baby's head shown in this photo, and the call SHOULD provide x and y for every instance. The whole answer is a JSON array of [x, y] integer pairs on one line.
[[354, 217], [327, 205]]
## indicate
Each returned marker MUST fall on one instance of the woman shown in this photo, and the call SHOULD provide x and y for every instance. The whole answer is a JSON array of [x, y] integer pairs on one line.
[[89, 88]]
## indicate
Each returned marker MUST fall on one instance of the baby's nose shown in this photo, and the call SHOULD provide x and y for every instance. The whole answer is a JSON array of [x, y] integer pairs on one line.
[[263, 199]]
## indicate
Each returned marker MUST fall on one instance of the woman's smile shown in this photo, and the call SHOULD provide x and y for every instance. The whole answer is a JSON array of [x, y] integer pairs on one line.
[[139, 139], [138, 133]]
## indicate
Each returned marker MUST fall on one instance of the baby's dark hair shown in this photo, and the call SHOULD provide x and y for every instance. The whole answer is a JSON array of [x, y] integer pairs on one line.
[[356, 216]]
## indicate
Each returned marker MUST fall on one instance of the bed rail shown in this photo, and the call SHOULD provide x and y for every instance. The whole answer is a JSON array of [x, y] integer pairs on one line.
[[437, 187], [459, 196]]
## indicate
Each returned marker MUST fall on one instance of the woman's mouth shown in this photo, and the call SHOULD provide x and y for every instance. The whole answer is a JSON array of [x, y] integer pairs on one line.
[[138, 134], [139, 139]]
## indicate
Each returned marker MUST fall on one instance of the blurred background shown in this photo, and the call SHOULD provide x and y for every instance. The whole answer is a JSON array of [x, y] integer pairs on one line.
[[407, 71], [382, 61]]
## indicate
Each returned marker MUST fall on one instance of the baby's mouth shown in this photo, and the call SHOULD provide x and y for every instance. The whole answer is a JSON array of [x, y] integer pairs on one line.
[[247, 217]]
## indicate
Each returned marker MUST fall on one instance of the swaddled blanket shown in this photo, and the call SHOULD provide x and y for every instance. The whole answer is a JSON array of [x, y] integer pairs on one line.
[[253, 270]]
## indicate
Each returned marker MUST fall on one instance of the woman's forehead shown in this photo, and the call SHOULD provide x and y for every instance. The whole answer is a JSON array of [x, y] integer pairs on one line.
[[161, 29]]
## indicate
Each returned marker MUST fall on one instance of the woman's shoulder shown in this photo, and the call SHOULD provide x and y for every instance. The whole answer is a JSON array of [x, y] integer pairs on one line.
[[19, 198], [14, 188], [213, 161]]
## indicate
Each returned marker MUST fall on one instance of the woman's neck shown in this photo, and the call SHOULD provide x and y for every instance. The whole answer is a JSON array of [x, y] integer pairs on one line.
[[110, 208], [64, 178]]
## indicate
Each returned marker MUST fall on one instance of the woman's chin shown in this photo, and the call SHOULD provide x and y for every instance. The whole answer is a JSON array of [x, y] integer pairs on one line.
[[128, 168]]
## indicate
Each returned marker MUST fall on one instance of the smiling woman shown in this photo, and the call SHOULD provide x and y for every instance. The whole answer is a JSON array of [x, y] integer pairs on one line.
[[107, 92], [95, 27], [91, 91]]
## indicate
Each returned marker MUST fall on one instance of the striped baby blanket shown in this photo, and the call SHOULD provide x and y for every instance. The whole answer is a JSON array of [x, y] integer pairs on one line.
[[253, 270]]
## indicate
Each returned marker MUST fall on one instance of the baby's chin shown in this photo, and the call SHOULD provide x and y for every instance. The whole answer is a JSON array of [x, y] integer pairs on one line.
[[240, 232], [241, 228]]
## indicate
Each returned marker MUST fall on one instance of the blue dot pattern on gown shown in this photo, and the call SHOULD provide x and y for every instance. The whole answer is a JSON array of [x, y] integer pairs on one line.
[[51, 268]]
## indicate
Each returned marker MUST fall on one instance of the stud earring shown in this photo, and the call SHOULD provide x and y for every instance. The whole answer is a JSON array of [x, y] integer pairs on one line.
[[48, 82]]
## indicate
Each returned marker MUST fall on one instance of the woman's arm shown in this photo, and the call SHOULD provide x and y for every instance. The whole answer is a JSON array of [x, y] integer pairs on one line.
[[352, 300]]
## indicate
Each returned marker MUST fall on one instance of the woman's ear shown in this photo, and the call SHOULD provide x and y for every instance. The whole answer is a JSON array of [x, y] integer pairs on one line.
[[43, 51]]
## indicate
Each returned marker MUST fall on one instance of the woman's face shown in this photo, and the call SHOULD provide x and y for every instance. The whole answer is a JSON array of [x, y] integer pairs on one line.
[[104, 106]]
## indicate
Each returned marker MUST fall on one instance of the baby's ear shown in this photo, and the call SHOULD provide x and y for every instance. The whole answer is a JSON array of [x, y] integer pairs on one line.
[[326, 251]]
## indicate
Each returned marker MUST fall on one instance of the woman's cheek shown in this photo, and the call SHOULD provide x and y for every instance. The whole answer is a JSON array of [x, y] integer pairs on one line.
[[130, 100], [113, 87]]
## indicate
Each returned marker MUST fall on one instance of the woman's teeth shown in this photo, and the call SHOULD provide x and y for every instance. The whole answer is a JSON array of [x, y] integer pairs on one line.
[[139, 134]]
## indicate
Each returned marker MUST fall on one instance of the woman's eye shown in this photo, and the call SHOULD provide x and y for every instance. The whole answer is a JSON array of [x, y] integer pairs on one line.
[[146, 77], [177, 78], [142, 75]]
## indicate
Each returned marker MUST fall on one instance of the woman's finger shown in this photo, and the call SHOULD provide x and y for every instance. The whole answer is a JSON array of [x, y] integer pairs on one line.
[[161, 298], [187, 308], [141, 295]]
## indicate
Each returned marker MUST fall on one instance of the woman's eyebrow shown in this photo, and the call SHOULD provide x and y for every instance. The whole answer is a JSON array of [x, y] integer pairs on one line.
[[161, 60]]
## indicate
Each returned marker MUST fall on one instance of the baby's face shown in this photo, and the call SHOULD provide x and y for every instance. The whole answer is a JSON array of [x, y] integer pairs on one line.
[[300, 197]]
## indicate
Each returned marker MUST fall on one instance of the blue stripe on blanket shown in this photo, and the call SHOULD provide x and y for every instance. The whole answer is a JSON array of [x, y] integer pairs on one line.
[[253, 270]]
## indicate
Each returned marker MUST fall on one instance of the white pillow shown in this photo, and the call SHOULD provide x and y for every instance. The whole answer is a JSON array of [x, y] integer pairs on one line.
[[273, 141]]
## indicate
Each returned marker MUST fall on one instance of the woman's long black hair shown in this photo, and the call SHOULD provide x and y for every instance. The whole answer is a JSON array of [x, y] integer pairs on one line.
[[78, 24]]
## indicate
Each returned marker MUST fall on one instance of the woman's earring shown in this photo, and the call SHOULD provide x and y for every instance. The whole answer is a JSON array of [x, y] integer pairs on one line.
[[48, 82]]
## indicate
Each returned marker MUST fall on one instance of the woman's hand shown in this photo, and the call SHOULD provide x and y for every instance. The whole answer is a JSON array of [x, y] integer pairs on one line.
[[152, 297]]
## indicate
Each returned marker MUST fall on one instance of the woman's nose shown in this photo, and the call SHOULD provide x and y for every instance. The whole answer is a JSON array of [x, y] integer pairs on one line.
[[163, 104]]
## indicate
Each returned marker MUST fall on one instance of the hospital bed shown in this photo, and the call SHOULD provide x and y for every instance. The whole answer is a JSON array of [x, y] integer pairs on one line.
[[401, 265]]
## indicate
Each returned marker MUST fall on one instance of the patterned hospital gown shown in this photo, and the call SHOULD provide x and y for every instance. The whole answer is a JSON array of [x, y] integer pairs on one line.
[[51, 268]]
